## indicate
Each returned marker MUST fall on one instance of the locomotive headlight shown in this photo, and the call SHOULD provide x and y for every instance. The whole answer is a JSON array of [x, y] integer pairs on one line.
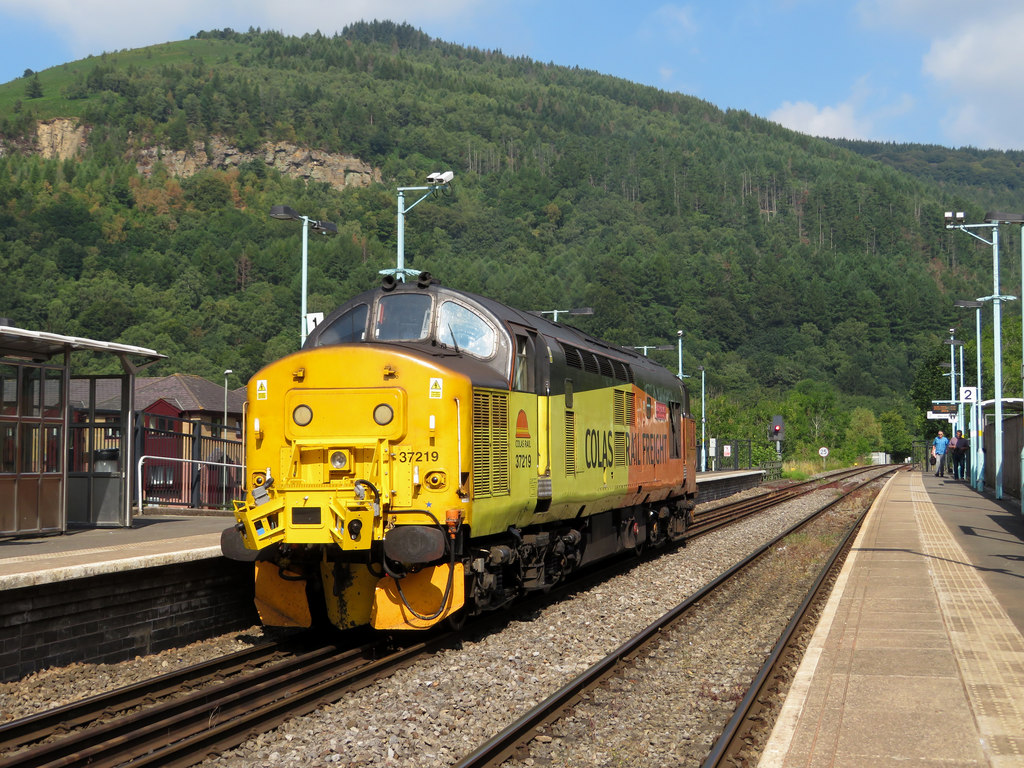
[[339, 459], [302, 415], [383, 414]]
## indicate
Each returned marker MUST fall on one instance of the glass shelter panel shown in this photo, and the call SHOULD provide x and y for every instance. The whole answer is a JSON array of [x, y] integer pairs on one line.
[[31, 447]]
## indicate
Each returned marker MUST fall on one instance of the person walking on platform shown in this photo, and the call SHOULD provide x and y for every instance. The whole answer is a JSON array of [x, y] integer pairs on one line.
[[960, 453], [939, 446]]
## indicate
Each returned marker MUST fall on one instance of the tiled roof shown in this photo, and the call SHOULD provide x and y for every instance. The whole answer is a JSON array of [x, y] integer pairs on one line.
[[189, 393]]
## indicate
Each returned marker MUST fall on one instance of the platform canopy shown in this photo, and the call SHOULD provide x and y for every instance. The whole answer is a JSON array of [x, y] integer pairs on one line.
[[40, 346]]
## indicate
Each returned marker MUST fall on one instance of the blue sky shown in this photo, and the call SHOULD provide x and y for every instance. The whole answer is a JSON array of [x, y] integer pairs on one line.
[[920, 71]]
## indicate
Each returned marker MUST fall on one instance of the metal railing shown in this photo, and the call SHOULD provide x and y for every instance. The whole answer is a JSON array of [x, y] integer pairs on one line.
[[185, 466], [160, 502]]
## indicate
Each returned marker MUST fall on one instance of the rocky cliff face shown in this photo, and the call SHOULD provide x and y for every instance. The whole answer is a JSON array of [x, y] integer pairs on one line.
[[62, 138], [339, 171]]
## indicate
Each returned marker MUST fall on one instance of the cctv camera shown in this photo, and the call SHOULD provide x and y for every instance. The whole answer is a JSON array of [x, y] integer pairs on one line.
[[434, 178], [446, 177]]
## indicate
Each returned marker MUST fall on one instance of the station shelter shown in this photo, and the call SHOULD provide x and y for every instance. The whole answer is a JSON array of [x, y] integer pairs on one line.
[[64, 441]]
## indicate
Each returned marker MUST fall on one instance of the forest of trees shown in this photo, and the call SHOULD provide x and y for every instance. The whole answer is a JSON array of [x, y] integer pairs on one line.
[[810, 279]]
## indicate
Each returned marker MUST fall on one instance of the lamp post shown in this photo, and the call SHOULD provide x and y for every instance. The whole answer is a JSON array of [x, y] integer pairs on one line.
[[436, 182], [1016, 218], [956, 221], [703, 446], [679, 334], [953, 391], [978, 459], [646, 347], [284, 213], [224, 437], [556, 312]]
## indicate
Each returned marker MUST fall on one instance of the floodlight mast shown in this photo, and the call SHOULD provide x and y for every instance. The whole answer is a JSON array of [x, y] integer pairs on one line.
[[556, 312], [437, 181], [957, 220], [286, 213]]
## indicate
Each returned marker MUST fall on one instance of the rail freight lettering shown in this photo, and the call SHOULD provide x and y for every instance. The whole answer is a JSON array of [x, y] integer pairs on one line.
[[647, 448]]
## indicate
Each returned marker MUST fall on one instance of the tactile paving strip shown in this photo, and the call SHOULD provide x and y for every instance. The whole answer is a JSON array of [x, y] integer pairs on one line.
[[988, 648]]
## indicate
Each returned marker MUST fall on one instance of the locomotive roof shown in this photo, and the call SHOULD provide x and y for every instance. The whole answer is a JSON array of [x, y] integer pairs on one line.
[[503, 312]]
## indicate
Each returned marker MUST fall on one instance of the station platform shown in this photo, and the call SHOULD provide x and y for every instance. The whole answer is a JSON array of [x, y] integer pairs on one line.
[[151, 541], [918, 657], [165, 538]]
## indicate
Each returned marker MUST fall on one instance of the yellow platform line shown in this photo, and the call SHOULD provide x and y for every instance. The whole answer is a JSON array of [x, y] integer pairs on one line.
[[988, 648]]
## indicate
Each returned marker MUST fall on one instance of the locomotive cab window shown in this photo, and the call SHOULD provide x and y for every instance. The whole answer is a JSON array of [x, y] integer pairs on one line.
[[461, 327], [522, 370], [675, 413], [402, 317], [351, 326]]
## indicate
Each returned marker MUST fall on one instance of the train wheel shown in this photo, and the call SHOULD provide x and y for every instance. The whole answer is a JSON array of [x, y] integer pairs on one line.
[[456, 621]]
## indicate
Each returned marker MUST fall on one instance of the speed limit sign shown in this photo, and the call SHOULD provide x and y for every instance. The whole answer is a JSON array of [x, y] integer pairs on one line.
[[823, 452]]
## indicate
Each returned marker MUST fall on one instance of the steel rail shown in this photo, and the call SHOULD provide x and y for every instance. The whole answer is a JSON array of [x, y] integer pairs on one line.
[[503, 745], [727, 742], [26, 730]]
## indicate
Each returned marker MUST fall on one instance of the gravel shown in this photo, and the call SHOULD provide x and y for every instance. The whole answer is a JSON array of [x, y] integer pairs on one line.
[[437, 711]]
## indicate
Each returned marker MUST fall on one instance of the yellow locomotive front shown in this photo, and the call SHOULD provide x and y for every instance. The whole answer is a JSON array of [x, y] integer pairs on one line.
[[358, 459]]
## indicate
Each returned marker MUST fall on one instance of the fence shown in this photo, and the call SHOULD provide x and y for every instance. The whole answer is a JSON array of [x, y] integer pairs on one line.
[[184, 466], [728, 454]]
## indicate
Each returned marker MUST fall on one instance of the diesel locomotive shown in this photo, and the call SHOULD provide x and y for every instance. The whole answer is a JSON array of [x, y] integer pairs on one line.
[[430, 454]]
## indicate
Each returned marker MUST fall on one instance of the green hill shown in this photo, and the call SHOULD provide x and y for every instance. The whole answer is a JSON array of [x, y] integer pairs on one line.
[[801, 271]]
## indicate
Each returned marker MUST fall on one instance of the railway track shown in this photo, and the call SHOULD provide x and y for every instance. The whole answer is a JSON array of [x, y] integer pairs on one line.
[[181, 718], [184, 728], [513, 743]]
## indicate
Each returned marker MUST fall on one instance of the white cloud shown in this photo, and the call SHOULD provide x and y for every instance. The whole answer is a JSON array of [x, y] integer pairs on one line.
[[676, 22], [855, 118], [838, 122], [92, 26], [973, 61], [977, 67]]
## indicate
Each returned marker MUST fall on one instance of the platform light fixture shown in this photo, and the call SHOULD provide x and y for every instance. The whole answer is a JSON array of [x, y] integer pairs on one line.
[[224, 437], [703, 445], [957, 220], [978, 457], [556, 312], [1016, 218], [646, 347], [437, 182], [285, 213]]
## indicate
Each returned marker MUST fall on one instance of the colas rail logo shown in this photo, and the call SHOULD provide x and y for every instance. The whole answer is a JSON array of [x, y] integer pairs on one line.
[[522, 426]]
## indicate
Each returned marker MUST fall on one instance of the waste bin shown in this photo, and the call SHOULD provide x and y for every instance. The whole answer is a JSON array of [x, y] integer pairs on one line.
[[107, 460]]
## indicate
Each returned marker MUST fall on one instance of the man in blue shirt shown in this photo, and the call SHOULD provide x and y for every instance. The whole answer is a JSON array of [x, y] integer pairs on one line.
[[939, 445]]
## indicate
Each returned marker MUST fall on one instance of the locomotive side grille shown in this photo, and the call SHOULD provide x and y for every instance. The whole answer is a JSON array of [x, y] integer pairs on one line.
[[499, 428], [620, 449], [623, 371], [622, 407], [591, 362], [570, 442], [573, 358], [490, 444]]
